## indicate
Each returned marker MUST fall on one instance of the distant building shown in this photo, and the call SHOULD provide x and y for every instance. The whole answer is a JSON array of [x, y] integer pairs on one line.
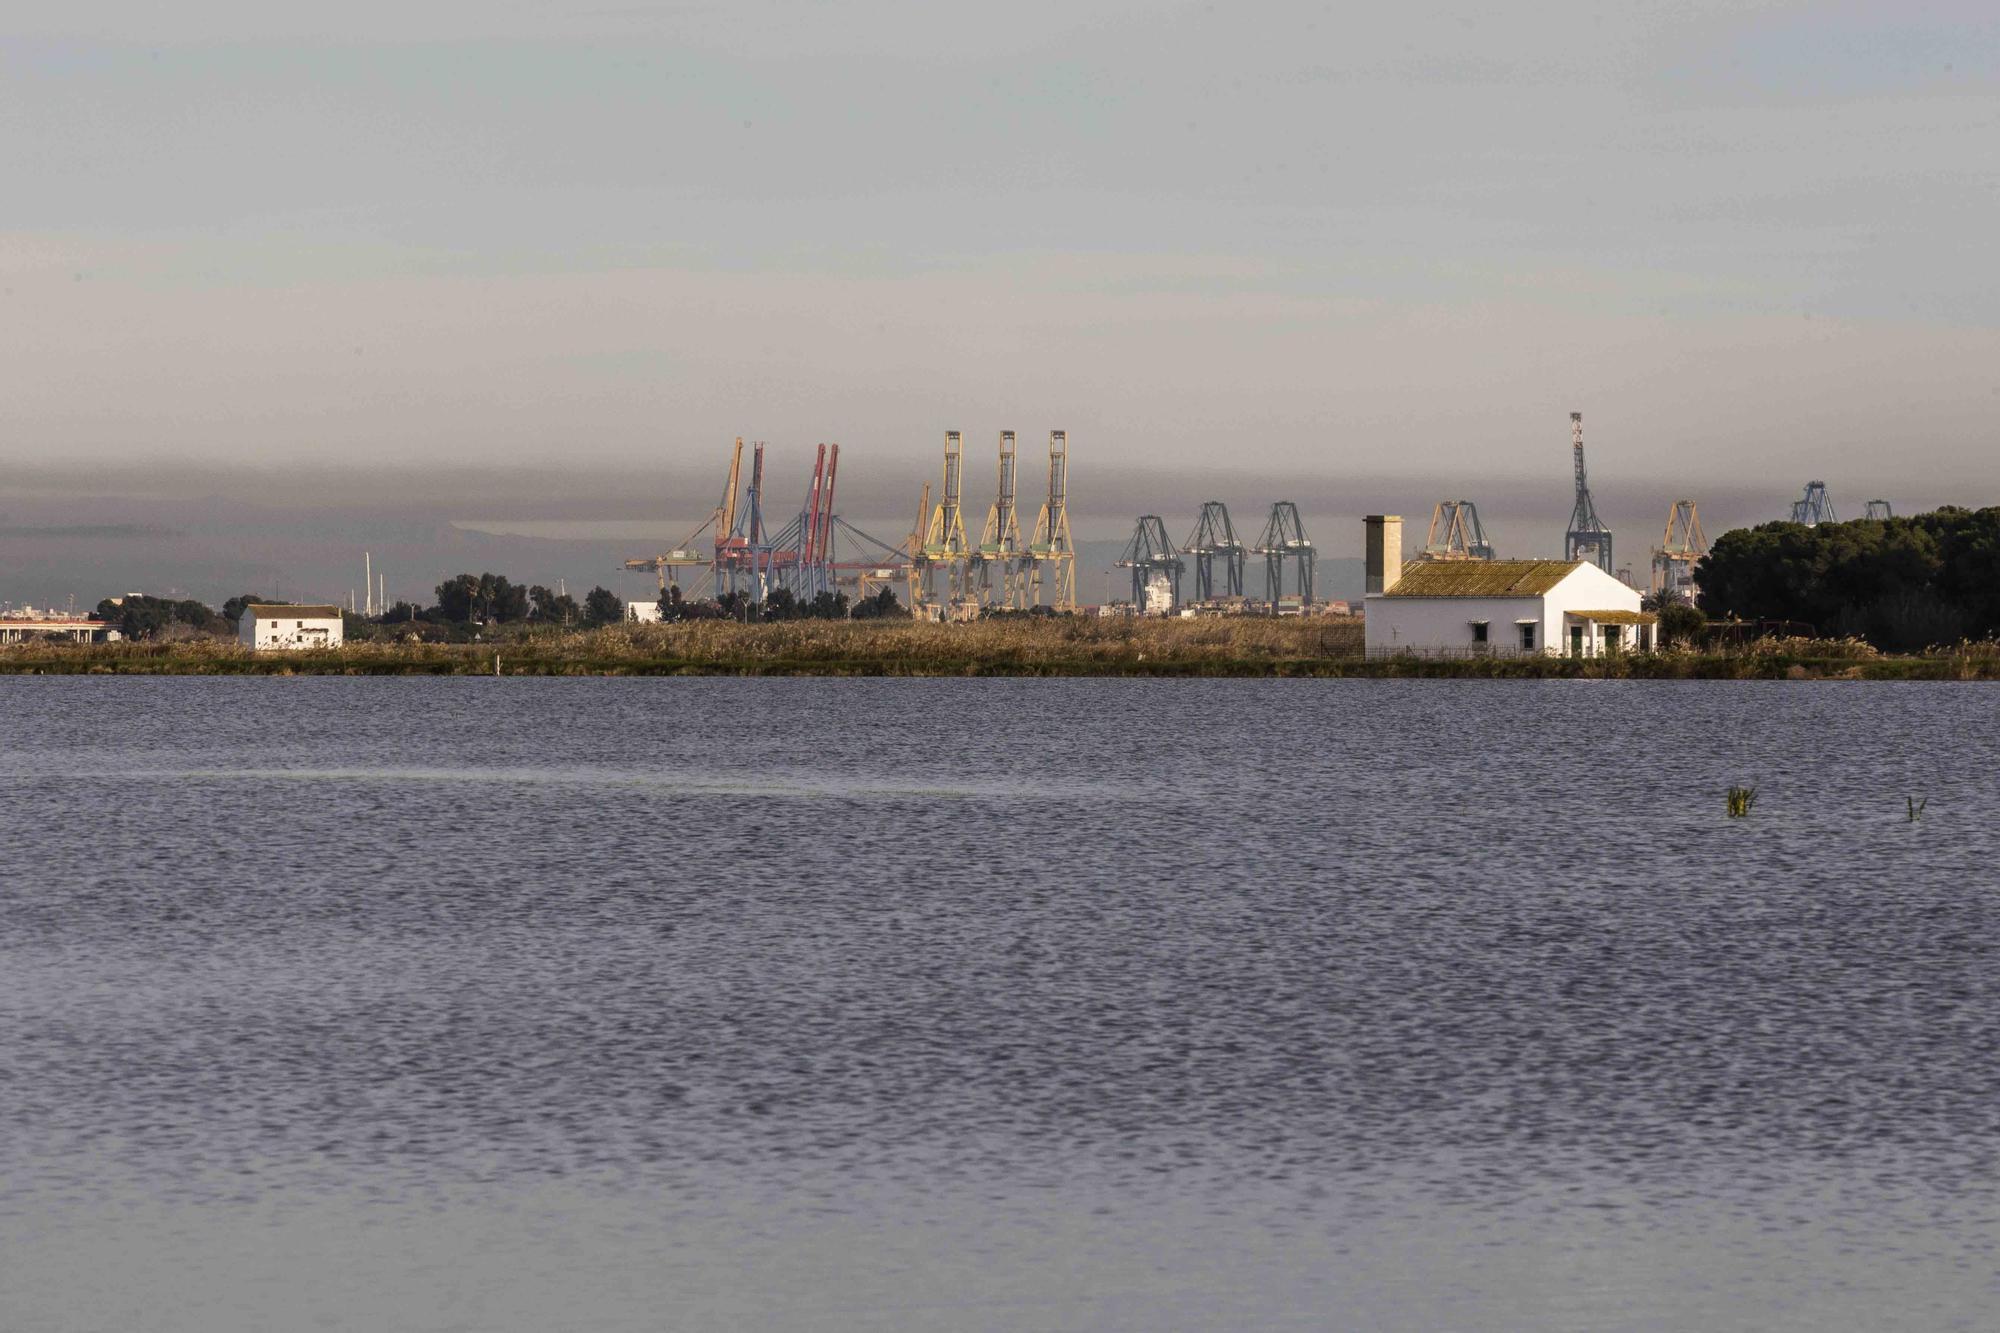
[[265, 628], [1464, 608], [30, 623]]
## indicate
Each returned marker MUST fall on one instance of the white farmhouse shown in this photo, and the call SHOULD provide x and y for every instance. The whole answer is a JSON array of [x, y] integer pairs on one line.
[[268, 627], [1460, 608]]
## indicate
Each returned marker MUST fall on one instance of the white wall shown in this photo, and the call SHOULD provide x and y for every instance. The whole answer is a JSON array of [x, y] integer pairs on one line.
[[1432, 624], [281, 632], [1589, 589]]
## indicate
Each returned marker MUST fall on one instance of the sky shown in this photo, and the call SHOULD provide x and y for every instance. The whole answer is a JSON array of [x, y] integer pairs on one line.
[[1368, 252]]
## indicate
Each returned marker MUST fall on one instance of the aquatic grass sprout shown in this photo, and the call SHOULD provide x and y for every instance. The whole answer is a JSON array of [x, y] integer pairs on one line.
[[1741, 800]]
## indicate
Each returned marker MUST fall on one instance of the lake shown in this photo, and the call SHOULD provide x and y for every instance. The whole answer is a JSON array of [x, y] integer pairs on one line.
[[523, 1004]]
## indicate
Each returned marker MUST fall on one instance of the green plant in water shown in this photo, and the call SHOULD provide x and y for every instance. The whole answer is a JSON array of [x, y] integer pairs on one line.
[[1916, 807], [1740, 801]]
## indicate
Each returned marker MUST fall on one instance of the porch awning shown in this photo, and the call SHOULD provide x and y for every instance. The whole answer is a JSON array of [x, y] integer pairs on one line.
[[1615, 617]]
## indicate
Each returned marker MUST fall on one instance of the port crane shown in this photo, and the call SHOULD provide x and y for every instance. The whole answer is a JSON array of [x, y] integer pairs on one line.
[[1456, 534], [1284, 538], [1587, 539]]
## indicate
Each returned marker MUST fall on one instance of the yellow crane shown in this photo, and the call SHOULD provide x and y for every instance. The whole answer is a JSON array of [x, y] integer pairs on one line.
[[917, 551]]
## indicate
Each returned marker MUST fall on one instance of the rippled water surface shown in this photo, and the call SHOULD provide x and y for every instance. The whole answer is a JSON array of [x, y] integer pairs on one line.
[[717, 1004]]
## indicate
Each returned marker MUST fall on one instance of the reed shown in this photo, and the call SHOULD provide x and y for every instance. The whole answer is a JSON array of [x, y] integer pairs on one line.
[[1256, 646], [1915, 807], [1741, 800]]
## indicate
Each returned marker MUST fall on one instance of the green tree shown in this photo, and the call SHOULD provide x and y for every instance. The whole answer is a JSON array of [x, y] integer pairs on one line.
[[827, 606], [1681, 622], [880, 605], [1902, 583], [232, 610], [458, 599], [140, 616], [477, 599], [601, 606], [551, 608]]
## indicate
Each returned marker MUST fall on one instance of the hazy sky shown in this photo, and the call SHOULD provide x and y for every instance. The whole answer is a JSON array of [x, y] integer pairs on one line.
[[1753, 243]]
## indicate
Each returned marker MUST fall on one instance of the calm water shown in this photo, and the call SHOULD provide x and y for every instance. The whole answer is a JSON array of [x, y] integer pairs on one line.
[[516, 1004]]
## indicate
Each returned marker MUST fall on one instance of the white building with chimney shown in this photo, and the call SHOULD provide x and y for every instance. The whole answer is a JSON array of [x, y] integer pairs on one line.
[[271, 628], [1500, 608]]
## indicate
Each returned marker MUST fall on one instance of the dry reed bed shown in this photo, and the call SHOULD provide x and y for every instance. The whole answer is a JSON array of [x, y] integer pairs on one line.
[[1244, 646]]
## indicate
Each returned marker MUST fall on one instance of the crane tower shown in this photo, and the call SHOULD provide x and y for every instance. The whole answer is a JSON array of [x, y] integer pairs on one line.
[[1681, 545], [1587, 538], [1285, 537], [944, 541], [1156, 567], [1000, 542], [1214, 538], [1456, 534], [1814, 507], [1051, 548]]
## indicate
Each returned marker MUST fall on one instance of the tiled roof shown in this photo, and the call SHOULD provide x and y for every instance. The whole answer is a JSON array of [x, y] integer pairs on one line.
[[1481, 578], [261, 611]]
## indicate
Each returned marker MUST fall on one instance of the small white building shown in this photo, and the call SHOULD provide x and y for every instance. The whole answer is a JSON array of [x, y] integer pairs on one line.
[[1502, 608], [263, 628]]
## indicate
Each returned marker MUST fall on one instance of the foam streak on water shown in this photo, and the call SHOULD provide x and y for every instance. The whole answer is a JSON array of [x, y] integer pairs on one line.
[[522, 1004]]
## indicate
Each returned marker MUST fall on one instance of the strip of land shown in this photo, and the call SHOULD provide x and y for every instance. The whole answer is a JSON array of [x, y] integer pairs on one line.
[[1056, 646]]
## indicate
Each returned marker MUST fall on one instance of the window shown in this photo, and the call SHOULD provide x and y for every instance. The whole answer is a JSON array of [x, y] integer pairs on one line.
[[1611, 633], [1527, 638], [1479, 631], [1576, 641]]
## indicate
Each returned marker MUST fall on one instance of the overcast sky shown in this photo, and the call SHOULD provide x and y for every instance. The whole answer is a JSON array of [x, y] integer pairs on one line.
[[1753, 243]]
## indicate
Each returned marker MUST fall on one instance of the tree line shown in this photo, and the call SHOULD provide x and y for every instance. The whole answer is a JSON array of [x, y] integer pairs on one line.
[[466, 601], [1903, 584], [782, 604]]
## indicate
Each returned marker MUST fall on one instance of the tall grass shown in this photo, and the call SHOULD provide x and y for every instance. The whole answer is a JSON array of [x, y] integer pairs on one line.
[[1059, 646], [1055, 646]]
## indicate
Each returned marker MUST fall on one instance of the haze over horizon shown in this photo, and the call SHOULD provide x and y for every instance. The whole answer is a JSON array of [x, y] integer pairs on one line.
[[446, 256]]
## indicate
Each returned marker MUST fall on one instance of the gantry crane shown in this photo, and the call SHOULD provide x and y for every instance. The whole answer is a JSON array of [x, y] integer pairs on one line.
[[1156, 567], [1000, 542], [1285, 538], [1456, 534], [1681, 546], [1214, 538], [684, 554], [1051, 551], [1814, 507], [1587, 538], [945, 546], [917, 566]]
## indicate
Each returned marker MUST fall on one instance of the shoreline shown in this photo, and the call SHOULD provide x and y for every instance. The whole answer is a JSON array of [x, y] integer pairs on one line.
[[1232, 648]]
